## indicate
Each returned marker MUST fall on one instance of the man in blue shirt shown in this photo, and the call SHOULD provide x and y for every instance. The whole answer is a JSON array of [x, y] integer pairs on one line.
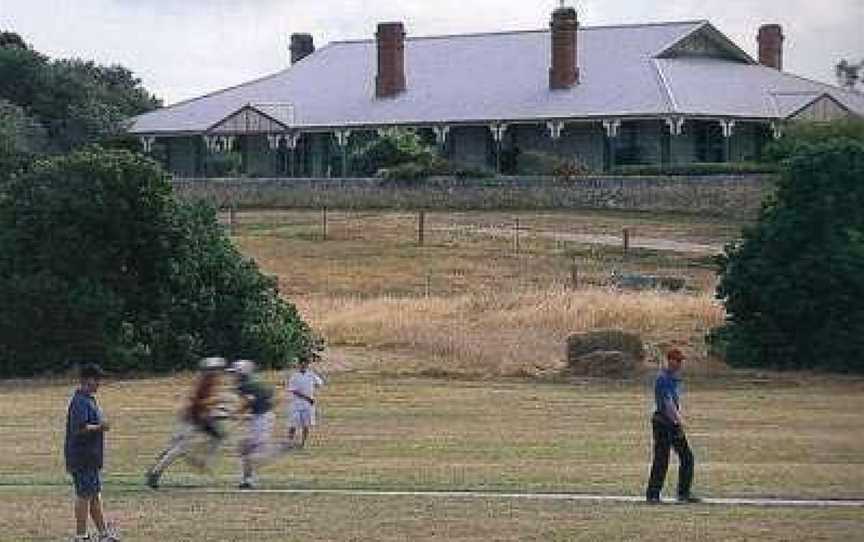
[[84, 449], [668, 428]]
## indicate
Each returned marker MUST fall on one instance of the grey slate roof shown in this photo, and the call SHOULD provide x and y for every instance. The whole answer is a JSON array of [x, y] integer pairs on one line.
[[492, 77]]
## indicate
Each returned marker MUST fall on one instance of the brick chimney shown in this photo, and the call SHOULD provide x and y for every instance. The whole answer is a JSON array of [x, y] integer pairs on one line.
[[390, 80], [770, 38], [563, 73], [302, 45]]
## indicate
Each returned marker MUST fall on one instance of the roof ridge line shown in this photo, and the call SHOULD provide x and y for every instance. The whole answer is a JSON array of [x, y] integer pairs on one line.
[[526, 31]]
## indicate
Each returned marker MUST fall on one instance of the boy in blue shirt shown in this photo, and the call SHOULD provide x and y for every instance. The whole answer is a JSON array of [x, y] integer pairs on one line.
[[667, 425], [84, 450]]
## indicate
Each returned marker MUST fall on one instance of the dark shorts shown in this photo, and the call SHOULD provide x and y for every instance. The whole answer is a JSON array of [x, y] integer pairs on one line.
[[88, 483]]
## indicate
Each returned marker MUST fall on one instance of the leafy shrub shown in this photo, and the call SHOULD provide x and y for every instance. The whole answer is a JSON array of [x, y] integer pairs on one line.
[[392, 149], [228, 164], [409, 172], [801, 134], [468, 171], [698, 168], [100, 261], [570, 169], [793, 287]]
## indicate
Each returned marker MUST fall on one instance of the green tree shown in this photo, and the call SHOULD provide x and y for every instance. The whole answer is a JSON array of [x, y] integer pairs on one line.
[[21, 137], [78, 102], [794, 286], [803, 134], [101, 261]]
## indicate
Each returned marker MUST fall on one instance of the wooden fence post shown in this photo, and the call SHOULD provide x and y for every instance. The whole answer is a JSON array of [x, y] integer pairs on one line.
[[516, 236], [574, 275], [324, 222], [421, 227]]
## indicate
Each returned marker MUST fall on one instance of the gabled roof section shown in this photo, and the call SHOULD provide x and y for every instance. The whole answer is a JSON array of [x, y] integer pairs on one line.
[[268, 118], [705, 41], [812, 106]]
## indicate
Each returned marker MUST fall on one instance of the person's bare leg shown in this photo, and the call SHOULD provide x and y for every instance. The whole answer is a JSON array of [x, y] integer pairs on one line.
[[96, 513], [81, 506]]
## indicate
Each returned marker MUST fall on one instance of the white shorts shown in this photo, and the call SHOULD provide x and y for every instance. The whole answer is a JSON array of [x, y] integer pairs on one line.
[[259, 431], [302, 417]]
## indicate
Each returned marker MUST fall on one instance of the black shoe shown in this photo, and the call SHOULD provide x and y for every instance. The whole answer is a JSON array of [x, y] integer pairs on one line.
[[246, 485], [688, 499], [653, 499], [153, 480]]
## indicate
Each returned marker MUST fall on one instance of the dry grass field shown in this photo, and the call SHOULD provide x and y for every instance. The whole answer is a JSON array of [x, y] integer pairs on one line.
[[444, 366], [468, 302]]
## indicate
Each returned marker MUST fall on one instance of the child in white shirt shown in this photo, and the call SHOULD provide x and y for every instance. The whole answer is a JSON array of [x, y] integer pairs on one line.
[[301, 393]]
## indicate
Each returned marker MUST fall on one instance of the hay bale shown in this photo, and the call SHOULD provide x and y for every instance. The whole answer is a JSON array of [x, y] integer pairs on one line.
[[605, 363], [607, 340]]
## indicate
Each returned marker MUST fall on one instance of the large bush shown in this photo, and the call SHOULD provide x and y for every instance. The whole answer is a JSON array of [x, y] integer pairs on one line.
[[100, 261], [794, 287], [802, 134]]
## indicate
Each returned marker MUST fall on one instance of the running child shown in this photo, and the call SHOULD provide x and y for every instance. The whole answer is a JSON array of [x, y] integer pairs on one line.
[[257, 402], [201, 416]]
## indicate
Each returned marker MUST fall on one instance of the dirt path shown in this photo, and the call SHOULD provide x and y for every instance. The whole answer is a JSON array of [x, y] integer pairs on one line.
[[596, 239]]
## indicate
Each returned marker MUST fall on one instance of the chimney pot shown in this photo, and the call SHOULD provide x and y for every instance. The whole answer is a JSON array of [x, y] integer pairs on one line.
[[302, 45], [390, 79], [770, 39], [564, 73]]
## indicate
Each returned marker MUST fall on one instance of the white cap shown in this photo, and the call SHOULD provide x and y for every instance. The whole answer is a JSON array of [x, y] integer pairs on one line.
[[243, 367], [212, 364]]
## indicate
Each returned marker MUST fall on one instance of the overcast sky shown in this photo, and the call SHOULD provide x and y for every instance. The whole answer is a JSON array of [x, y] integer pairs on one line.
[[185, 48]]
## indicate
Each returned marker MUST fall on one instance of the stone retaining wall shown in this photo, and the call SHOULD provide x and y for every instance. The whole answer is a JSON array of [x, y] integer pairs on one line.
[[736, 196]]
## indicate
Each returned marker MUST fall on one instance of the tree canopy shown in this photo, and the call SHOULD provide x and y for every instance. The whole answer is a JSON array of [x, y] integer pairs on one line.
[[77, 102], [794, 286], [102, 262]]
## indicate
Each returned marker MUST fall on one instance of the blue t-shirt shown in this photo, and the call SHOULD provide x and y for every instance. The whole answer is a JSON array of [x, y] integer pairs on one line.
[[666, 387], [83, 450]]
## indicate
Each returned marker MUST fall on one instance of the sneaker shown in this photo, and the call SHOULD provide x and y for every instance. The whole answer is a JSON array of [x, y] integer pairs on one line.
[[152, 480], [110, 534], [80, 538], [688, 499], [653, 499], [246, 485]]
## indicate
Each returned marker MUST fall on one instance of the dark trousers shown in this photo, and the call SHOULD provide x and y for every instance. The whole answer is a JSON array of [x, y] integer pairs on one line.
[[666, 437]]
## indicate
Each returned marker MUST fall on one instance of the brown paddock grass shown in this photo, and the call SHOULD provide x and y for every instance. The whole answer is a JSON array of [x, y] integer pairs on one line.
[[508, 333], [376, 253], [468, 302]]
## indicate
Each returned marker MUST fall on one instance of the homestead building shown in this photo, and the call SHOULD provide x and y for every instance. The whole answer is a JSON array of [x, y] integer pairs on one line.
[[676, 92]]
